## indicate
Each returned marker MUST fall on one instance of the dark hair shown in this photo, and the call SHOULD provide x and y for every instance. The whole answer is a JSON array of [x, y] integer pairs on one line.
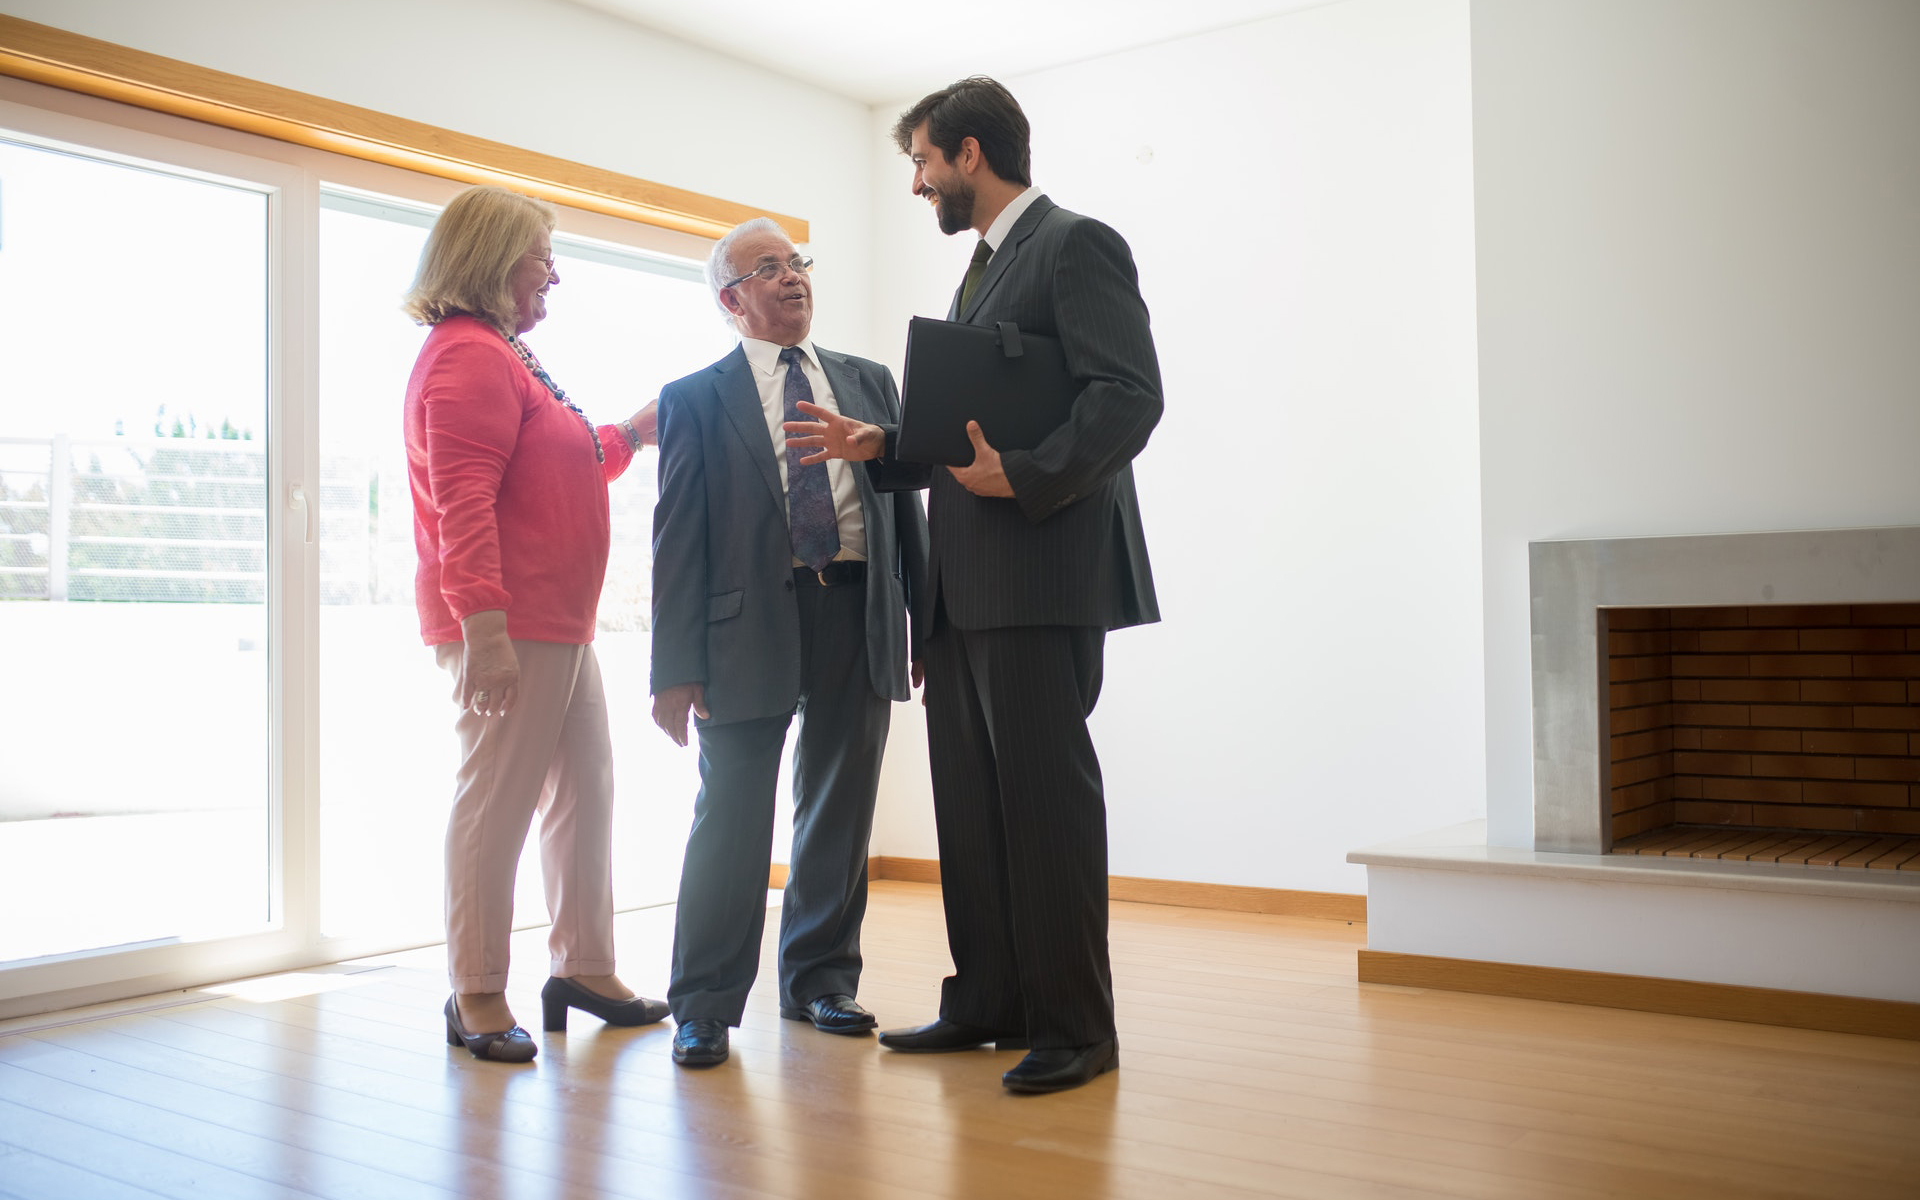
[[977, 108]]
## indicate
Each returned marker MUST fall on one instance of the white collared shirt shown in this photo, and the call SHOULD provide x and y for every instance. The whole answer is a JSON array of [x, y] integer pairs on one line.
[[770, 376], [1003, 224]]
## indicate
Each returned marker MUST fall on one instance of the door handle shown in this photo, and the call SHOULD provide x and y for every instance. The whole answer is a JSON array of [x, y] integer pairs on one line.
[[297, 502]]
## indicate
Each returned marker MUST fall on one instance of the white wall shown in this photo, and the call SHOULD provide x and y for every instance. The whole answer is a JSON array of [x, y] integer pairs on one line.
[[552, 77], [1303, 227], [1699, 287]]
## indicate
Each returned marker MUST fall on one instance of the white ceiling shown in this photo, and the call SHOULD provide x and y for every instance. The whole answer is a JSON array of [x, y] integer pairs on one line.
[[899, 50]]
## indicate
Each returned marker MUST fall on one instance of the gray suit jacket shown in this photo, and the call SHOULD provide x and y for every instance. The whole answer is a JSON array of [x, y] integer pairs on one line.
[[1068, 549], [724, 610]]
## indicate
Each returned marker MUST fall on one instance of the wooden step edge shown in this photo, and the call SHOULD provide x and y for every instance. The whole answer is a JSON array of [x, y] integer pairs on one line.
[[1679, 997]]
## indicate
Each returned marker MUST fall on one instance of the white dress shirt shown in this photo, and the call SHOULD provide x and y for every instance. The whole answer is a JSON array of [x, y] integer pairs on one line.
[[1003, 224], [770, 375]]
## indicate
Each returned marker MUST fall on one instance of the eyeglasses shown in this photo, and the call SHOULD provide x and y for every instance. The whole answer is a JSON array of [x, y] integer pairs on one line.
[[772, 270], [545, 258]]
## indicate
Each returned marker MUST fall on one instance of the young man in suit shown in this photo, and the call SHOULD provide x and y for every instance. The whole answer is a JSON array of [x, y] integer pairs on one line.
[[1036, 555], [778, 588]]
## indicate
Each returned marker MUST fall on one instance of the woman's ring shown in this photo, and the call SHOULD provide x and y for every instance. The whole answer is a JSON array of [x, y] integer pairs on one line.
[[479, 697]]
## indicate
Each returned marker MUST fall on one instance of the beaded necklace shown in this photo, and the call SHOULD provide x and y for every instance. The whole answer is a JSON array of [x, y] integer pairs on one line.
[[540, 373]]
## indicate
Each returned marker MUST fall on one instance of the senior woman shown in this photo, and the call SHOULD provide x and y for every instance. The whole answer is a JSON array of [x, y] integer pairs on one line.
[[509, 483]]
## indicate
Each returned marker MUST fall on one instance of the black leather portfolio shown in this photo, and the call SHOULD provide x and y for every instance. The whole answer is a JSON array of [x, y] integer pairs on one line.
[[1015, 384]]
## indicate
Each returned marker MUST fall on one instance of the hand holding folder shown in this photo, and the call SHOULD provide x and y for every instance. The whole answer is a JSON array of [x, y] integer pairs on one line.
[[1014, 384]]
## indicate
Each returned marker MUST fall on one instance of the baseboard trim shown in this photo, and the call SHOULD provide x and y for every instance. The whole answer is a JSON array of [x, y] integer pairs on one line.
[[1679, 997], [904, 870], [1230, 897], [1331, 906]]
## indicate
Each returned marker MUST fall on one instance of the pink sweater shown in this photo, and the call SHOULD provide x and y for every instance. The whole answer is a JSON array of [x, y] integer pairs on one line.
[[509, 506]]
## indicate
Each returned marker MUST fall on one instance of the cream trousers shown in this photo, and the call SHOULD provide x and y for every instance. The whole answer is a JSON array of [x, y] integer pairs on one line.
[[553, 755]]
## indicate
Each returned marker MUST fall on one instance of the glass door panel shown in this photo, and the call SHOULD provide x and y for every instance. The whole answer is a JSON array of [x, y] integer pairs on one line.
[[135, 792], [386, 750]]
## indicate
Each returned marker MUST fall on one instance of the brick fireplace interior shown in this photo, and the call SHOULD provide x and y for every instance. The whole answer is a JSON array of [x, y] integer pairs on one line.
[[1767, 733]]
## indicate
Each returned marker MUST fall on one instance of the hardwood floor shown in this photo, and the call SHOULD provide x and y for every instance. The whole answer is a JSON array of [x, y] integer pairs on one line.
[[1252, 1063]]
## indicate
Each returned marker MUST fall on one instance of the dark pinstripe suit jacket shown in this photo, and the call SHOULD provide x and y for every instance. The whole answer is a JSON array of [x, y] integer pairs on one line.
[[1069, 548]]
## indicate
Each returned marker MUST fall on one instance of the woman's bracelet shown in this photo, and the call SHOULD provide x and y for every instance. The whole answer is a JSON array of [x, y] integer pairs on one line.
[[631, 434]]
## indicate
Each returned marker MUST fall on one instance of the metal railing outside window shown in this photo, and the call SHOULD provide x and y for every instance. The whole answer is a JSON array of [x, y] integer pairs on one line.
[[132, 519], [158, 520]]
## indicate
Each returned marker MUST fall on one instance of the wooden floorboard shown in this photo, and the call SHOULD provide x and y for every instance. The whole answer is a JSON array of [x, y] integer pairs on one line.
[[1253, 1065]]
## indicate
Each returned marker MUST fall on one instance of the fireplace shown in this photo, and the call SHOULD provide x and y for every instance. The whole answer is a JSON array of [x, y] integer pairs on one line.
[[1688, 690], [1692, 688], [1765, 733]]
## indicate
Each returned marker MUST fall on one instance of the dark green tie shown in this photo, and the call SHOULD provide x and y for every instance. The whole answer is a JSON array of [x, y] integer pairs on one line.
[[975, 270]]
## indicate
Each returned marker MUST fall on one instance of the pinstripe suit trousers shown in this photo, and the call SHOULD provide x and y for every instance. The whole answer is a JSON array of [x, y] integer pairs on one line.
[[1022, 821]]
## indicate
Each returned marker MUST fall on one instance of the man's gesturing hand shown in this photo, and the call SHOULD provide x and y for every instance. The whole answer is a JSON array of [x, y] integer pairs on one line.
[[834, 436], [983, 476], [670, 709]]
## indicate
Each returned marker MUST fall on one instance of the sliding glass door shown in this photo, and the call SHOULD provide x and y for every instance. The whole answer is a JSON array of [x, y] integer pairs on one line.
[[135, 785], [223, 748]]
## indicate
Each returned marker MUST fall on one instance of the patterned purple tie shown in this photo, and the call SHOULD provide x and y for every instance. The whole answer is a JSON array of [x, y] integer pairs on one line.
[[816, 532]]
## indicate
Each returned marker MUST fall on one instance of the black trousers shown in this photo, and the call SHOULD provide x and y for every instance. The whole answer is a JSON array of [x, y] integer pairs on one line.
[[836, 771], [1022, 821]]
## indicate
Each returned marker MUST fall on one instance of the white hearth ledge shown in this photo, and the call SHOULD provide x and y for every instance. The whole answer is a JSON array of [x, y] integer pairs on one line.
[[1464, 847], [1840, 932]]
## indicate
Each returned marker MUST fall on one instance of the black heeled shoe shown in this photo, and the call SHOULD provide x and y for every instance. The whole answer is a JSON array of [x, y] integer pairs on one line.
[[513, 1046], [561, 994]]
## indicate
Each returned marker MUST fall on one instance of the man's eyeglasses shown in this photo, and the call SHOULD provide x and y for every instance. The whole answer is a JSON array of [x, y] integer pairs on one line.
[[773, 270]]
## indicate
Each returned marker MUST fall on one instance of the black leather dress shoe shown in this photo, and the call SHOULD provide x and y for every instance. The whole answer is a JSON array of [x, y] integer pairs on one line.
[[1058, 1070], [512, 1046], [833, 1014], [943, 1037], [700, 1042], [561, 994]]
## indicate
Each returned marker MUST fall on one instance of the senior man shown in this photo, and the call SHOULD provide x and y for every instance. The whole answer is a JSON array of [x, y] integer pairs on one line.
[[779, 589]]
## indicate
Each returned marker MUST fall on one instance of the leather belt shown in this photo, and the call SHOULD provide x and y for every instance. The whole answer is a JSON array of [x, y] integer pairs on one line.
[[835, 574]]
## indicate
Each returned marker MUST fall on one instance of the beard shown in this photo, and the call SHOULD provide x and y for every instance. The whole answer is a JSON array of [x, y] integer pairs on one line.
[[955, 210]]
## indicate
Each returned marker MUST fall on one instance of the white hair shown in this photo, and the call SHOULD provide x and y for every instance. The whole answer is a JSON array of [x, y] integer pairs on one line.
[[720, 266]]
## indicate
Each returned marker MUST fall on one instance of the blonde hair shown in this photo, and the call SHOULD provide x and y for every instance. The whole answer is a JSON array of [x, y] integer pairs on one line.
[[471, 253]]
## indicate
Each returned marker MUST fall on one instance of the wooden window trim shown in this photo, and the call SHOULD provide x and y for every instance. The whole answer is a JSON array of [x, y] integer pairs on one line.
[[58, 58]]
